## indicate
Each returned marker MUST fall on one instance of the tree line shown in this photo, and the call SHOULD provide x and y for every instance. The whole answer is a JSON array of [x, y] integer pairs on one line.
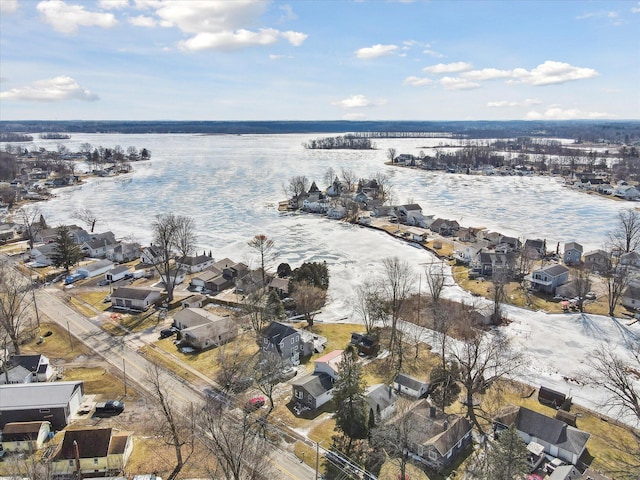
[[345, 142]]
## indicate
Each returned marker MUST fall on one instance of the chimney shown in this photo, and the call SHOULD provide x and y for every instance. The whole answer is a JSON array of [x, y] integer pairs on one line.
[[445, 426], [390, 388]]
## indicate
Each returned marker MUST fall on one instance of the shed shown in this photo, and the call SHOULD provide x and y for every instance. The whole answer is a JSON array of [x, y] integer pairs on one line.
[[129, 298], [551, 398], [117, 273], [96, 268], [410, 386], [25, 436]]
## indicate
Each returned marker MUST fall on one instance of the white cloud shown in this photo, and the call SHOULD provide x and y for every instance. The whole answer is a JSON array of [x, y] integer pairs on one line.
[[547, 73], [417, 81], [355, 101], [143, 21], [50, 90], [557, 113], [636, 9], [228, 40], [113, 4], [219, 24], [612, 16], [67, 18], [433, 53], [288, 13], [452, 83], [376, 51], [278, 57], [524, 103], [448, 67], [8, 6]]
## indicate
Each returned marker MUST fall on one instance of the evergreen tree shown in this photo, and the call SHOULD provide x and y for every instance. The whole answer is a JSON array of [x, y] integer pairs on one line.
[[348, 395], [506, 457], [312, 273], [66, 253], [274, 309]]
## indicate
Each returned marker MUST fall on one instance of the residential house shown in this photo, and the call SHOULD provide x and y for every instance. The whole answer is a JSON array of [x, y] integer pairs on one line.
[[631, 297], [194, 264], [382, 400], [546, 279], [410, 214], [337, 212], [123, 252], [535, 248], [94, 269], [194, 301], [630, 259], [42, 255], [551, 398], [410, 386], [627, 192], [280, 286], [513, 243], [96, 451], [366, 344], [286, 342], [117, 273], [312, 391], [25, 436], [436, 439], [465, 255], [55, 402], [202, 329], [336, 188], [446, 228], [48, 235], [131, 298], [150, 255], [37, 366], [558, 439], [15, 374], [328, 363], [175, 276], [572, 253], [99, 245], [320, 205], [382, 211], [417, 234], [487, 263], [605, 189], [597, 260], [468, 234]]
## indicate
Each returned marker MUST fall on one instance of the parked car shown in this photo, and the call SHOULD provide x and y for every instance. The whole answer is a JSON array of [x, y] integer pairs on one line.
[[110, 407], [254, 404], [74, 277], [166, 333]]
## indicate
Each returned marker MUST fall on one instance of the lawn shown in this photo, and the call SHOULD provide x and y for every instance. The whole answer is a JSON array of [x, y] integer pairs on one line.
[[123, 323], [56, 346], [98, 381], [92, 298]]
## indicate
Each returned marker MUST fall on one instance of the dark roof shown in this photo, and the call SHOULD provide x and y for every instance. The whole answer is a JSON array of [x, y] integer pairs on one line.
[[315, 385], [555, 270], [380, 395], [409, 382], [412, 207], [534, 243], [550, 430], [276, 331], [92, 443], [573, 246], [30, 362], [132, 293], [197, 260], [21, 431]]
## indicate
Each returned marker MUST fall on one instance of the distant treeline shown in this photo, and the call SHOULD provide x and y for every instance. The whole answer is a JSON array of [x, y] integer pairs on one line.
[[626, 131], [15, 137], [346, 142]]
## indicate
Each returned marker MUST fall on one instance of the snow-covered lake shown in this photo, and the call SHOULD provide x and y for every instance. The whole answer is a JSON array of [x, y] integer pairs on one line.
[[231, 184]]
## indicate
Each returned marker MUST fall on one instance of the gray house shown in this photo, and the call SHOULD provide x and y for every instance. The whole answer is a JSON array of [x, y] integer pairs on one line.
[[201, 329], [558, 439], [597, 260], [631, 297], [382, 400], [548, 278], [410, 386], [129, 298], [312, 391], [572, 253], [285, 341], [54, 402]]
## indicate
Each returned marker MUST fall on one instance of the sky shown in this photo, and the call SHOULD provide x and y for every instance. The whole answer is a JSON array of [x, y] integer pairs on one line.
[[319, 60]]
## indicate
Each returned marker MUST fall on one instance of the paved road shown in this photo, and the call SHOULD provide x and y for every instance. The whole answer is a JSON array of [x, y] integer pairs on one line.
[[123, 355]]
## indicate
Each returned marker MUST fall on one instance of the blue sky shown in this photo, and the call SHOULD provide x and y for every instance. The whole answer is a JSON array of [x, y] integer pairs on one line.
[[319, 60]]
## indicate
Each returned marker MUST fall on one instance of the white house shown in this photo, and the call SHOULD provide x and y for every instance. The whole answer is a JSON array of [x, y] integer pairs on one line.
[[628, 192], [194, 264], [337, 212], [178, 276], [130, 298], [411, 214], [117, 273], [328, 363], [42, 255], [150, 255], [96, 268], [410, 386], [25, 436]]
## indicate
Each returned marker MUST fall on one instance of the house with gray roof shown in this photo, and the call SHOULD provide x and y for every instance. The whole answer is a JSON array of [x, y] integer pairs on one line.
[[312, 391], [572, 253], [37, 368], [547, 279], [202, 329], [631, 297], [54, 402], [96, 268], [410, 386], [193, 264], [558, 439], [381, 400], [597, 260], [131, 298]]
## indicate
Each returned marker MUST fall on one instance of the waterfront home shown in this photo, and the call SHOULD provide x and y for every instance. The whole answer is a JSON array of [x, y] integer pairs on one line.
[[280, 286], [546, 279], [410, 214], [202, 329], [25, 437], [97, 248], [597, 260], [382, 211], [417, 234], [337, 212], [446, 228], [559, 439], [130, 298], [486, 263], [535, 249], [96, 451], [193, 264], [572, 253], [316, 206], [47, 235], [150, 255], [123, 252], [627, 192]]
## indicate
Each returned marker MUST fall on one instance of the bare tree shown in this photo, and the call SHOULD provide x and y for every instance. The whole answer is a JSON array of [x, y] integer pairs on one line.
[[309, 299], [33, 222], [264, 248], [626, 235], [234, 367], [619, 377], [234, 440], [397, 284], [268, 374], [349, 178], [87, 216], [391, 154], [582, 285], [616, 280], [252, 307], [434, 275], [174, 238], [483, 358], [369, 305], [498, 295], [385, 188], [15, 305], [329, 176], [175, 427], [296, 189]]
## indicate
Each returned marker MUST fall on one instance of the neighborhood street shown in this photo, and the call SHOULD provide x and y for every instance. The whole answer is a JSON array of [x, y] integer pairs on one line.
[[123, 355]]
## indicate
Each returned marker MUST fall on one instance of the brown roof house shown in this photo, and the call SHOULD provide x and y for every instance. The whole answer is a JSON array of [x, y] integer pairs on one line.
[[435, 438], [25, 436], [92, 452], [202, 329]]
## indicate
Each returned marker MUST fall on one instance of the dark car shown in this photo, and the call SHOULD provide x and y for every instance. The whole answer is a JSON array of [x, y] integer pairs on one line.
[[167, 332], [110, 407]]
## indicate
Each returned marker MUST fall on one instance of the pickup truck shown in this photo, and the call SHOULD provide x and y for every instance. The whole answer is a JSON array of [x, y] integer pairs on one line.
[[74, 277]]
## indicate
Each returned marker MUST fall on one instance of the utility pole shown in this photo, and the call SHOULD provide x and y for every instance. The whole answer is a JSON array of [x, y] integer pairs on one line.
[[124, 374], [69, 331]]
